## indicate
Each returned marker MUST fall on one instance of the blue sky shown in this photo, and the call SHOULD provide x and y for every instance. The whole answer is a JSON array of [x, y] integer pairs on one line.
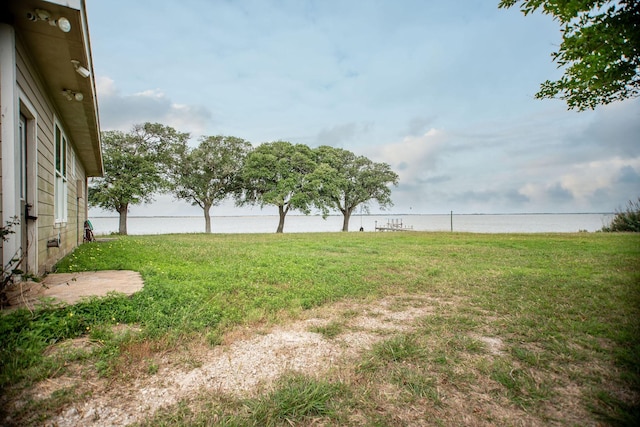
[[443, 91]]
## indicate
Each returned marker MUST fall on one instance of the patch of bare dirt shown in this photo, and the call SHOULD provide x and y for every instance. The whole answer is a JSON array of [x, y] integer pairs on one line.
[[239, 367], [250, 359], [494, 344]]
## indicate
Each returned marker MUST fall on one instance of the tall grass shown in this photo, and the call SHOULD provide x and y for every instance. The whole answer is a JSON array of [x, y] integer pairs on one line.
[[553, 298]]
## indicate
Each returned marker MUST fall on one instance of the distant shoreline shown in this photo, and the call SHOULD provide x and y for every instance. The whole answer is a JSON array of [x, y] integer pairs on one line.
[[358, 215]]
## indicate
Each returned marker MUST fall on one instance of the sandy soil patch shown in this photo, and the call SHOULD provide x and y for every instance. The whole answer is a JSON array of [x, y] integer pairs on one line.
[[239, 368]]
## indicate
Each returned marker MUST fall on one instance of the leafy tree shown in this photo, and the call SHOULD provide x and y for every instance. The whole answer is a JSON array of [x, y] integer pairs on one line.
[[600, 49], [278, 173], [207, 174], [349, 181], [133, 170], [627, 220]]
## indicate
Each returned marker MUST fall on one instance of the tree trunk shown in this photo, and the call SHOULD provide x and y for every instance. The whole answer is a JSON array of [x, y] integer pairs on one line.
[[207, 218], [123, 210], [283, 212], [345, 221]]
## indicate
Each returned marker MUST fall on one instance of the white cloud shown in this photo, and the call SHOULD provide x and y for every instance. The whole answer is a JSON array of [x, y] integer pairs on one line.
[[120, 111], [596, 185], [105, 86], [414, 158], [584, 179], [150, 93]]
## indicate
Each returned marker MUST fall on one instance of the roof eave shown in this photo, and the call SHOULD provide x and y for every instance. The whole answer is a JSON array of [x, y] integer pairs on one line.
[[53, 50]]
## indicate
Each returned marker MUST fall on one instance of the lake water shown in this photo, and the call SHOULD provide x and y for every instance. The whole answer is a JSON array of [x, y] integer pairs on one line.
[[506, 223]]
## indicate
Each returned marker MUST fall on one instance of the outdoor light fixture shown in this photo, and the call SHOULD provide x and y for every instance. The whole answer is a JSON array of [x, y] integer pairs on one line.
[[80, 69], [44, 15], [63, 24], [71, 95]]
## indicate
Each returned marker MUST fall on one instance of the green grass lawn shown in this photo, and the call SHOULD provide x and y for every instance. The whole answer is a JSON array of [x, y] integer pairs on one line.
[[566, 306]]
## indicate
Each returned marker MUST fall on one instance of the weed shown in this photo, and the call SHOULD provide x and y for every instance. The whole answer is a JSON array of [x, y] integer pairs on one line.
[[297, 399], [214, 337], [399, 348], [416, 382], [330, 330], [520, 385], [152, 367]]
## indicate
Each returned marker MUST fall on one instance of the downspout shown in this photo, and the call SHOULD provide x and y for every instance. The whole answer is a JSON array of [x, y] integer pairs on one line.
[[80, 195]]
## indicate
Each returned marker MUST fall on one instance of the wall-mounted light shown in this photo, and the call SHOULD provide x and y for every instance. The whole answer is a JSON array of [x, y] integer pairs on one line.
[[80, 69], [44, 15], [71, 95]]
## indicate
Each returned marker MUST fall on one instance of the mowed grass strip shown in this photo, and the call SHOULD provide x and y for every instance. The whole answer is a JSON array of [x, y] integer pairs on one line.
[[565, 308]]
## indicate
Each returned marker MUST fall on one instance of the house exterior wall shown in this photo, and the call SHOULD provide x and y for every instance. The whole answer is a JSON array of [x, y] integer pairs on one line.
[[37, 108], [43, 169], [7, 115]]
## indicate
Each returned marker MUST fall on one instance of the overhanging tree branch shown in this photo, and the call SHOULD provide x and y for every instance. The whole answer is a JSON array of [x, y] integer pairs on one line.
[[600, 50]]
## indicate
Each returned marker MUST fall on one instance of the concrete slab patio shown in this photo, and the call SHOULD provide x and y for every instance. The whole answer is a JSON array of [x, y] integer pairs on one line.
[[72, 287]]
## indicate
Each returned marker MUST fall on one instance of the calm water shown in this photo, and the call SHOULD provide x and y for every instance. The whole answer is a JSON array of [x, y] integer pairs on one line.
[[521, 223]]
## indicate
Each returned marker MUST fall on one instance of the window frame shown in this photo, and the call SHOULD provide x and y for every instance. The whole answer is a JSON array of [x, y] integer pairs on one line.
[[23, 140], [61, 182]]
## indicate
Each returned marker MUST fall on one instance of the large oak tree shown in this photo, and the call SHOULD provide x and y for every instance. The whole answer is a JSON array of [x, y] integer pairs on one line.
[[348, 181], [278, 173], [133, 167], [600, 50], [207, 174]]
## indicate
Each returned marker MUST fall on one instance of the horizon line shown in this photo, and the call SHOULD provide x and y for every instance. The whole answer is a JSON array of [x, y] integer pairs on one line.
[[357, 215]]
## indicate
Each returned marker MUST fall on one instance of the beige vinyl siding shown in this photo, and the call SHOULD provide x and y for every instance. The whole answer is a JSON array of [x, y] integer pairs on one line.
[[30, 83], [1, 168]]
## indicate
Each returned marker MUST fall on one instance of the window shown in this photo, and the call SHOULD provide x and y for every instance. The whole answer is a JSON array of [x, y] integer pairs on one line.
[[60, 190], [73, 163], [23, 157]]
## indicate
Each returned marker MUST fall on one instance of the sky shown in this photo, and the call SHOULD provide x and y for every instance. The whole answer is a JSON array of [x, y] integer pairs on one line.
[[442, 91]]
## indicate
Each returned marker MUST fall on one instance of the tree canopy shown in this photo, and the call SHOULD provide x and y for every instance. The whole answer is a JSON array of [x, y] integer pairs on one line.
[[600, 50], [347, 181], [207, 174], [278, 173], [133, 171], [153, 158]]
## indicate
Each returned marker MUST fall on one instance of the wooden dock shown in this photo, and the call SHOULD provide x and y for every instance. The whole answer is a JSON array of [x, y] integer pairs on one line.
[[393, 225]]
